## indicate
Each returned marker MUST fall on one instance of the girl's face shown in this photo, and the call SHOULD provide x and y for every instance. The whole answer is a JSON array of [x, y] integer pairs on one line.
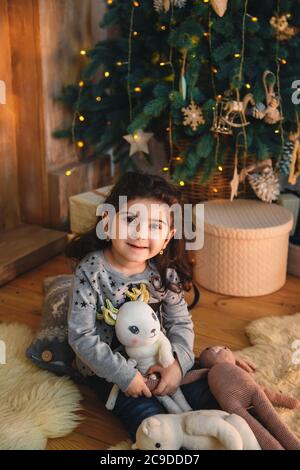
[[142, 229]]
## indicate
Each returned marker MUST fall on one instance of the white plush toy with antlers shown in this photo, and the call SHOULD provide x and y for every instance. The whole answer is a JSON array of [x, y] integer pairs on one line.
[[138, 329]]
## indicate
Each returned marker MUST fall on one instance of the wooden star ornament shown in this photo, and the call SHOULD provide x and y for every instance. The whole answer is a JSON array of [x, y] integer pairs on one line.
[[138, 141]]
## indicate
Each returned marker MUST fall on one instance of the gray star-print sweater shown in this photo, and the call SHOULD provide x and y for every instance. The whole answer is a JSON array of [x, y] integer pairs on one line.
[[94, 342]]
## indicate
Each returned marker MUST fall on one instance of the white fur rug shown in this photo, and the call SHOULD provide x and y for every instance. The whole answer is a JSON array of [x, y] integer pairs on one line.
[[275, 351], [34, 404]]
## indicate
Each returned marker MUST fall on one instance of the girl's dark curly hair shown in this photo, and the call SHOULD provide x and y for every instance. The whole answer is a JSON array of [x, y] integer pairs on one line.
[[136, 185]]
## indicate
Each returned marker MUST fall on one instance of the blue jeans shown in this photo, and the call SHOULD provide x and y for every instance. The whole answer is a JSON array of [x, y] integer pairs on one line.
[[132, 411]]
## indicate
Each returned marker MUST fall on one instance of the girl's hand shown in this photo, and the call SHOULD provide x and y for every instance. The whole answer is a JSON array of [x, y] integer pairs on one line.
[[138, 387], [170, 378]]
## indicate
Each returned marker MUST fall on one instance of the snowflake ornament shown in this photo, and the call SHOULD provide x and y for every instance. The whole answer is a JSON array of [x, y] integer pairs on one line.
[[193, 116]]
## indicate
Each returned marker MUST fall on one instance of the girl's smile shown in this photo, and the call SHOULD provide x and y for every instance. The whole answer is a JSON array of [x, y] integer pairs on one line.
[[137, 247]]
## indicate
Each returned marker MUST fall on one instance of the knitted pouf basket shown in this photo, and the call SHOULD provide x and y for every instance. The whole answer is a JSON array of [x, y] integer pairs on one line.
[[245, 247]]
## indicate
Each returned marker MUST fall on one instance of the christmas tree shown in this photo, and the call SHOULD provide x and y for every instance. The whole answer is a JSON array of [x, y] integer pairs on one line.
[[205, 77]]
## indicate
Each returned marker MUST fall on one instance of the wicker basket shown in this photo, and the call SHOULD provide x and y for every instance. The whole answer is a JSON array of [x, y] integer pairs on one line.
[[218, 186]]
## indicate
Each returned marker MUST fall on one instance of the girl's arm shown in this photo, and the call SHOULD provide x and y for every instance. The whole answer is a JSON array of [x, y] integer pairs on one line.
[[85, 340], [178, 324]]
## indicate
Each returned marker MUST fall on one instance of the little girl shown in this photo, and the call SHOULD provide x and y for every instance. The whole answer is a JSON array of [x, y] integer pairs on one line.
[[108, 269]]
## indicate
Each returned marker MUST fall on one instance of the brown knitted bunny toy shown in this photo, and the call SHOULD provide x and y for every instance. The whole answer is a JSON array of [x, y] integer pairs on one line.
[[236, 391]]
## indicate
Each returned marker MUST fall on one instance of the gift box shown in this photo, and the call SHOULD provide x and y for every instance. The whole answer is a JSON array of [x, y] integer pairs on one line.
[[83, 209], [245, 247], [291, 202], [294, 260]]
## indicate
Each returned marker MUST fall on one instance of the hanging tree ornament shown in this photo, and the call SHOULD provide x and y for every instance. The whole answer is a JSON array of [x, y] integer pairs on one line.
[[295, 160], [182, 81], [264, 182], [236, 179], [283, 30], [286, 157], [219, 126], [270, 113], [235, 182], [295, 164], [193, 116], [220, 6], [230, 113], [160, 5], [138, 141], [235, 111]]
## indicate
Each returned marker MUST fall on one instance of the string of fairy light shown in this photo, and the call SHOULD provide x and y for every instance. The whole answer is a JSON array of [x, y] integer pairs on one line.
[[213, 71], [169, 129], [78, 116], [278, 65], [240, 80]]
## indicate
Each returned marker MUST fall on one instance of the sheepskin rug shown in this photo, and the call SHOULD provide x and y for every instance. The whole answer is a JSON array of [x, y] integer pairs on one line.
[[275, 351], [34, 404]]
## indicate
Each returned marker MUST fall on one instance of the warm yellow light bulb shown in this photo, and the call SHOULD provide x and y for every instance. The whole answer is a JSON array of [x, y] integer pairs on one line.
[[181, 183], [135, 33], [165, 168], [178, 159], [137, 89], [109, 2], [80, 144], [98, 98], [237, 55], [136, 4], [136, 136], [254, 19], [81, 118], [205, 1], [248, 85], [163, 27], [277, 131], [206, 35], [215, 190], [162, 64], [219, 97], [68, 173], [220, 168], [83, 52], [283, 61], [106, 74], [119, 63], [81, 83], [214, 70]]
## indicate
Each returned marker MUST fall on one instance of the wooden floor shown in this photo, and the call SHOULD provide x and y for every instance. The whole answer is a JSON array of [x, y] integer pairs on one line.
[[218, 320]]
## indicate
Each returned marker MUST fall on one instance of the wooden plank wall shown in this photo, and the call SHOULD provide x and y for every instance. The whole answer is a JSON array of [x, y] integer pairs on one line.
[[42, 40], [29, 107], [9, 201], [65, 29]]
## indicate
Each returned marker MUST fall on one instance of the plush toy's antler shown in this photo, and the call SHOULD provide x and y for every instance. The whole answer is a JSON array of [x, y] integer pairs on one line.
[[141, 294], [109, 313]]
